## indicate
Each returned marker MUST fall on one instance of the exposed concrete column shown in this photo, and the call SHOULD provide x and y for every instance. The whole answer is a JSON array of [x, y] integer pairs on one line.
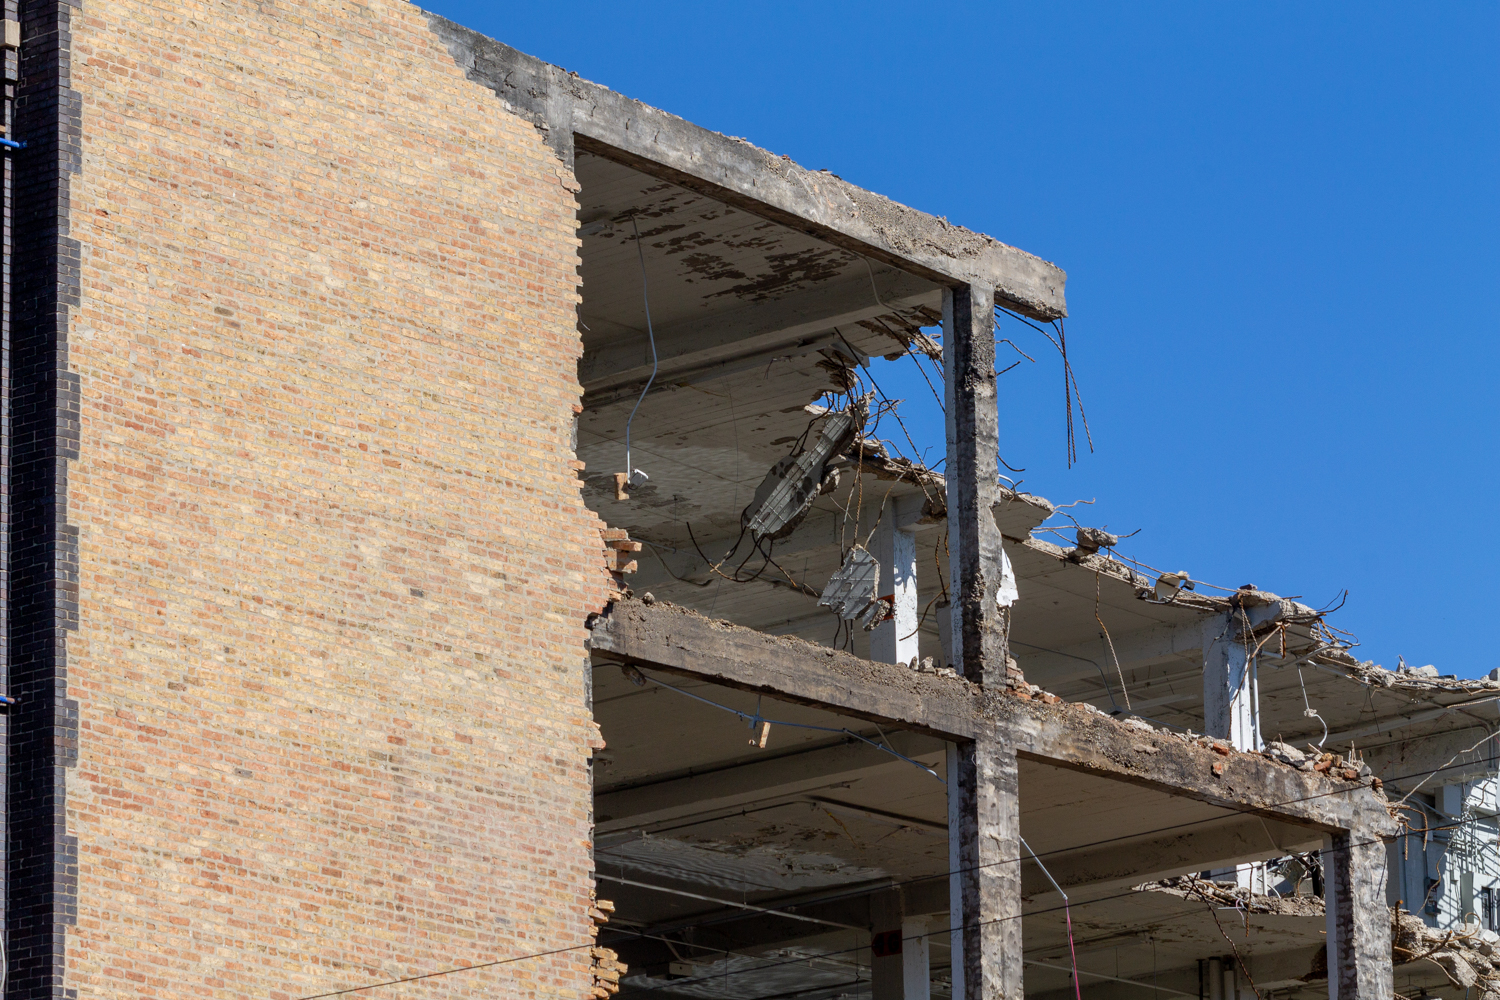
[[916, 960], [895, 639], [984, 831], [972, 474], [1231, 693], [886, 946], [1359, 925]]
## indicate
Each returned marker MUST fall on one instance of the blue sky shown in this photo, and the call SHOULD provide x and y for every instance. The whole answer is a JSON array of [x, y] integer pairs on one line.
[[1279, 223]]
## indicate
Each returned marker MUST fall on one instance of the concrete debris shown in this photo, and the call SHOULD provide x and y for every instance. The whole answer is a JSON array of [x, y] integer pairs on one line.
[[1091, 540], [1285, 752], [1428, 680], [878, 611], [1169, 584], [787, 493], [905, 327], [1458, 970], [926, 665], [851, 591], [1320, 761], [1234, 896], [1467, 959]]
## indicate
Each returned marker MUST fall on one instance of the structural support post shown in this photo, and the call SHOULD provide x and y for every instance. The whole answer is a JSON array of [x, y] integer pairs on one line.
[[886, 947], [916, 961], [972, 474], [984, 816], [895, 639], [1359, 925], [984, 824], [1231, 702], [1231, 692]]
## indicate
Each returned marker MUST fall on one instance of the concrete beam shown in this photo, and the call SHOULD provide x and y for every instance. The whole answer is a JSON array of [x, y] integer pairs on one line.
[[1405, 763], [1228, 841], [1053, 668], [726, 787], [574, 113], [680, 641], [677, 640], [750, 331]]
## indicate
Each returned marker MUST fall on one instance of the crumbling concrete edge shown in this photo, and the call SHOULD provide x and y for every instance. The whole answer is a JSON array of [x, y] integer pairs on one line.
[[576, 113], [1467, 959], [679, 640]]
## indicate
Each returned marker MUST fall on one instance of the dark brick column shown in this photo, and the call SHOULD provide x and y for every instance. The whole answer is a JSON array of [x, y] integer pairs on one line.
[[42, 553]]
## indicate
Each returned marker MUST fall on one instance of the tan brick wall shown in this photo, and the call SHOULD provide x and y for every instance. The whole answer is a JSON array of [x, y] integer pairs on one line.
[[334, 563]]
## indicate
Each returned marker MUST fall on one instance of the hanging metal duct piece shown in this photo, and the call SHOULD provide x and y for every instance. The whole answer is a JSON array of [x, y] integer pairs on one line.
[[851, 590], [784, 497]]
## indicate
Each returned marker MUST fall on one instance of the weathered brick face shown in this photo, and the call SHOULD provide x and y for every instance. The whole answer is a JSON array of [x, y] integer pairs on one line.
[[333, 562]]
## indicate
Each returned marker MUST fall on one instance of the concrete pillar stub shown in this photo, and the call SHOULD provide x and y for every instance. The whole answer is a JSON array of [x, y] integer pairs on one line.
[[1231, 691], [886, 947], [916, 959], [895, 639]]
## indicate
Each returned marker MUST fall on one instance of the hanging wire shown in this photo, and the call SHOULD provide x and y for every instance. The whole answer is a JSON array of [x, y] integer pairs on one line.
[[913, 354], [1071, 394], [1067, 915], [1118, 669], [651, 334], [1309, 711]]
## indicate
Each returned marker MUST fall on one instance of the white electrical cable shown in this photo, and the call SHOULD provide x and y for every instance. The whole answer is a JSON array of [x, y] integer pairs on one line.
[[1310, 712], [630, 470]]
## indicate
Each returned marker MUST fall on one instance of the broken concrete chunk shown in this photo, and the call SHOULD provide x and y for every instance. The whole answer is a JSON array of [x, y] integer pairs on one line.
[[1169, 584], [1094, 539], [877, 612], [1285, 752], [1452, 963], [784, 497], [851, 590]]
